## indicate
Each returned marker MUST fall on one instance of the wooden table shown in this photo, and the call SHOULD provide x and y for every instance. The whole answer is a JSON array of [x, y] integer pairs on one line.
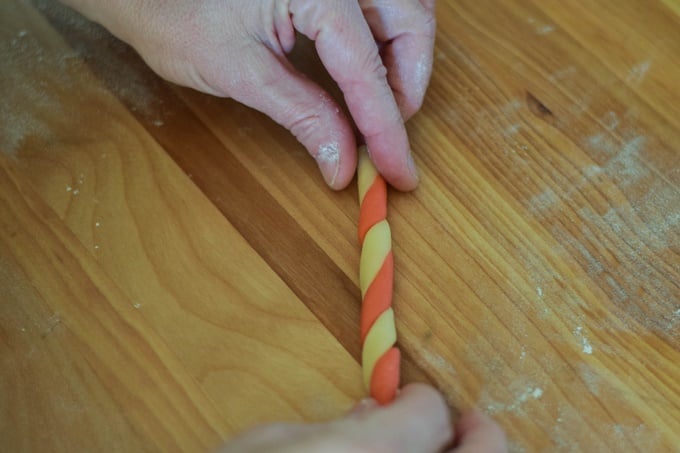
[[173, 269]]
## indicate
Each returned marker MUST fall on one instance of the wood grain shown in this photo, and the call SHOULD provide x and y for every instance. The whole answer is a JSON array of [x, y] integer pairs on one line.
[[174, 270]]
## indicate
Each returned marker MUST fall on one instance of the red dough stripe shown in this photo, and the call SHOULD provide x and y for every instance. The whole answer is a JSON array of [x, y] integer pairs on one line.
[[373, 207], [378, 296], [385, 377]]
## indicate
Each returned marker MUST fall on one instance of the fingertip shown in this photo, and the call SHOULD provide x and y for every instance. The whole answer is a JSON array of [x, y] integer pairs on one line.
[[397, 167], [408, 103], [413, 170]]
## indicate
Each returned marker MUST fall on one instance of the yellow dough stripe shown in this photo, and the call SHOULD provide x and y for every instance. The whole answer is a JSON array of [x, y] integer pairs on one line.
[[366, 173], [380, 338], [377, 244]]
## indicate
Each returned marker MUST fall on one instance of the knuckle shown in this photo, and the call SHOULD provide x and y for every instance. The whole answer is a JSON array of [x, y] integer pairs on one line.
[[302, 123]]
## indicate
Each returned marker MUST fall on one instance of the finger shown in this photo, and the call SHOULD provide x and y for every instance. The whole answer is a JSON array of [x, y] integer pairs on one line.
[[418, 420], [476, 432], [409, 65], [269, 437], [349, 53], [408, 28], [272, 86]]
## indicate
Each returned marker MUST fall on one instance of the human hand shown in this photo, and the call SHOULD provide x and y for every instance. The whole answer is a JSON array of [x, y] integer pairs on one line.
[[417, 421], [378, 51]]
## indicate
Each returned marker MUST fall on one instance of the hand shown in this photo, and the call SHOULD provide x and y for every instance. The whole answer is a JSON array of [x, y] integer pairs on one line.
[[378, 51], [417, 421]]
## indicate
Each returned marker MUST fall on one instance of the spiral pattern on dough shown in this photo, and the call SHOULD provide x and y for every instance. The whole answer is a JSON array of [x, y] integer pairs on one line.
[[380, 358]]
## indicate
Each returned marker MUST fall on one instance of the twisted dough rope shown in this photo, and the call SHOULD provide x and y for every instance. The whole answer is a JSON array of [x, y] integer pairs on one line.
[[380, 359]]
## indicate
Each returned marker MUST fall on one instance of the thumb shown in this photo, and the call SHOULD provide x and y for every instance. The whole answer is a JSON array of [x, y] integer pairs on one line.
[[417, 421], [274, 87]]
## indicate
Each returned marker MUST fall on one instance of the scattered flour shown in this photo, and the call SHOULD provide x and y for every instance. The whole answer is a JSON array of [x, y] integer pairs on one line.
[[626, 165], [619, 293], [328, 158], [17, 125], [544, 201], [629, 436], [643, 437], [623, 160], [127, 77], [328, 153], [664, 231], [545, 29], [638, 72], [593, 265], [539, 27], [618, 246], [437, 362], [590, 378], [516, 405], [51, 324], [523, 393], [512, 106], [562, 74], [611, 121], [55, 72], [587, 348], [512, 130]]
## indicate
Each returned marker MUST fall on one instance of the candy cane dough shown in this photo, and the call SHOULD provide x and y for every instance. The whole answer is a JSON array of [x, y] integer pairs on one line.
[[380, 358]]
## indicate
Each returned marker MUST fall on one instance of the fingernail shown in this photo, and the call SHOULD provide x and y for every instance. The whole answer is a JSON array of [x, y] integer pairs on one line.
[[412, 167], [328, 159]]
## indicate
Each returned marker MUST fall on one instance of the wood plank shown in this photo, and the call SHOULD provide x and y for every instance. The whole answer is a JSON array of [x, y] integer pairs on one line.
[[76, 351]]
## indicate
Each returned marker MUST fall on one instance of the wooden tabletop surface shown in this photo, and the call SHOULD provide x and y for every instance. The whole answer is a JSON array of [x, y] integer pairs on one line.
[[174, 270]]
